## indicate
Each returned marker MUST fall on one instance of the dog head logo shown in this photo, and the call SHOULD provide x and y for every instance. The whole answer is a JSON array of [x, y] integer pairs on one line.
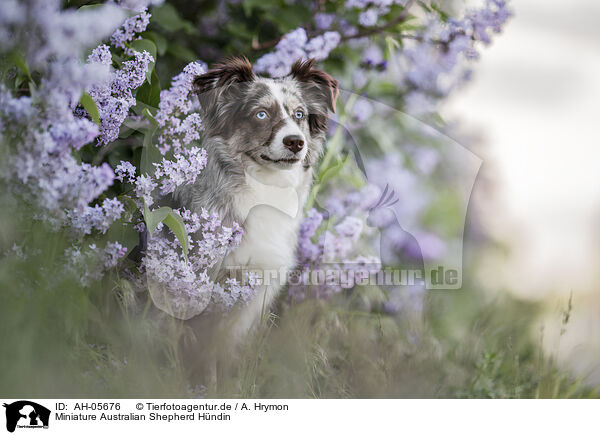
[[26, 414]]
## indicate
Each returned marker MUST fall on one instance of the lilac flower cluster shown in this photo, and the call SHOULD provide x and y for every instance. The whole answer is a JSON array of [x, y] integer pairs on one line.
[[89, 263], [432, 64], [115, 97], [144, 188], [137, 5], [409, 209], [178, 126], [129, 29], [329, 253], [182, 286], [125, 171], [183, 170], [42, 31], [42, 130], [98, 218], [371, 10], [296, 45]]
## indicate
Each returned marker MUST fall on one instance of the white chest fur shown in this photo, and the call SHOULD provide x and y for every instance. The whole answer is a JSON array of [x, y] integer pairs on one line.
[[271, 208]]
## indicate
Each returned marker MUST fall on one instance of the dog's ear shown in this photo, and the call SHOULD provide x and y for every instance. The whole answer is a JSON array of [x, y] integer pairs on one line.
[[321, 91], [223, 77]]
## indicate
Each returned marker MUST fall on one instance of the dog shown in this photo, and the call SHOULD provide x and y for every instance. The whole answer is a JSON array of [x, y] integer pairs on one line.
[[263, 136]]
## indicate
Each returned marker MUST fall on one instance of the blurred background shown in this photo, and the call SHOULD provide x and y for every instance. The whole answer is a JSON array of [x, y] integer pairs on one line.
[[534, 100], [424, 81]]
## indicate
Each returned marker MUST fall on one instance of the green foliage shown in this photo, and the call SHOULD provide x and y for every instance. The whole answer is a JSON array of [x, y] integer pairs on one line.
[[90, 106]]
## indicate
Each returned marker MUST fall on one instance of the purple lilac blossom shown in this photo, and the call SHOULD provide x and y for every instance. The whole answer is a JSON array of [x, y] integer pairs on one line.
[[89, 263], [184, 169], [320, 46], [178, 126], [182, 286], [432, 63], [333, 252], [144, 186], [43, 31], [373, 56], [294, 46], [125, 172], [115, 98], [129, 29], [362, 110], [324, 21], [138, 5]]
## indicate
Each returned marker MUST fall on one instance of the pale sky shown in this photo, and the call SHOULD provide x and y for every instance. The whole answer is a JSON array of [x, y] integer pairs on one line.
[[535, 99]]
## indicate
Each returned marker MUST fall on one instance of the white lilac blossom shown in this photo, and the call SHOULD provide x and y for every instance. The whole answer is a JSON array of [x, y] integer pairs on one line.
[[178, 126]]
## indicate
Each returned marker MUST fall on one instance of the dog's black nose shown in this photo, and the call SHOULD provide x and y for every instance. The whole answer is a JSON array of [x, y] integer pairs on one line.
[[293, 143]]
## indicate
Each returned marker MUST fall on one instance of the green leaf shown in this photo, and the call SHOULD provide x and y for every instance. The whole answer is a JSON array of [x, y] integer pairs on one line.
[[149, 92], [124, 233], [130, 205], [142, 45], [154, 217], [20, 63], [181, 52], [248, 5], [159, 40], [85, 8], [333, 170], [174, 221], [89, 105], [167, 17], [150, 154], [148, 115]]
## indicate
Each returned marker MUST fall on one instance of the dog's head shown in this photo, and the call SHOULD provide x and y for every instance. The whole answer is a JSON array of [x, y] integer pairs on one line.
[[277, 123]]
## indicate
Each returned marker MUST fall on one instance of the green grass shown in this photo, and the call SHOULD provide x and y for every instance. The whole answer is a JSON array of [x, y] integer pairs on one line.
[[62, 340]]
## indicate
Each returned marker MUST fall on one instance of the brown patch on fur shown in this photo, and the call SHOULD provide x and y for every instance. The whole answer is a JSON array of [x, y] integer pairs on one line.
[[226, 81], [231, 70], [303, 72], [321, 87]]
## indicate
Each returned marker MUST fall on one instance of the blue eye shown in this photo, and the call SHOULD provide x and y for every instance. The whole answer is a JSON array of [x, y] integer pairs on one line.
[[299, 114], [261, 115]]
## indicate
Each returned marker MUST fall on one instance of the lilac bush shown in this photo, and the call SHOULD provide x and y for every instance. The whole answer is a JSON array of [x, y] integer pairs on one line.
[[83, 97]]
